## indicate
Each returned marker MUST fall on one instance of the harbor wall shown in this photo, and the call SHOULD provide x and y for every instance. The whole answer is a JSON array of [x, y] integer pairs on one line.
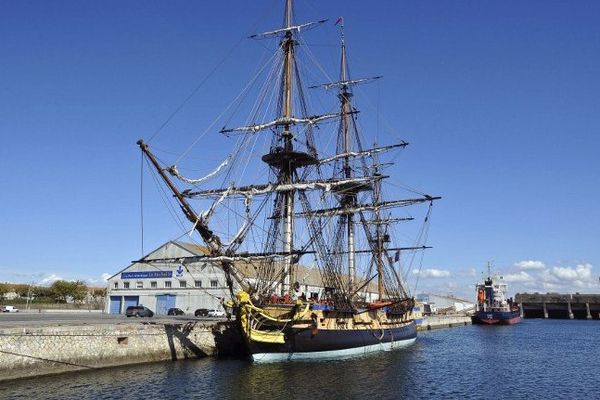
[[27, 352], [443, 321], [559, 306]]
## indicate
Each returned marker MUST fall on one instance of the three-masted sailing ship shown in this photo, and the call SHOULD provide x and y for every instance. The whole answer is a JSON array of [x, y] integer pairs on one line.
[[309, 201]]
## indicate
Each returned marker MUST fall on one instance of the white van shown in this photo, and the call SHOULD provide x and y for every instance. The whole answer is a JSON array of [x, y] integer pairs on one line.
[[9, 309]]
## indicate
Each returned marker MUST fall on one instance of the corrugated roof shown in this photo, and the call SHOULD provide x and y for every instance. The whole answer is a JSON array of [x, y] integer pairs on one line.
[[194, 248]]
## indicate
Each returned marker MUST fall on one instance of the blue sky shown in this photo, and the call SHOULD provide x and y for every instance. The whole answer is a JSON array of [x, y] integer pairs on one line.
[[499, 101]]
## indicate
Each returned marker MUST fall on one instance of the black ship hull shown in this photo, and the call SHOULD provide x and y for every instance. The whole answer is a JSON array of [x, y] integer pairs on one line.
[[309, 344]]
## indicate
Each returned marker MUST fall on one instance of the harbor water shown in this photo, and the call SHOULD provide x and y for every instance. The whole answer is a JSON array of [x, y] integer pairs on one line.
[[537, 359]]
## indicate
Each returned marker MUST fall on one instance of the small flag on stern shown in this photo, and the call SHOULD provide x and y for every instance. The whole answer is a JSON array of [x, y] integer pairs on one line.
[[340, 20]]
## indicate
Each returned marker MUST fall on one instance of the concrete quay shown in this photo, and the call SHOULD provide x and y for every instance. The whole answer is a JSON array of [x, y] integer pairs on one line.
[[42, 350], [443, 321], [557, 305]]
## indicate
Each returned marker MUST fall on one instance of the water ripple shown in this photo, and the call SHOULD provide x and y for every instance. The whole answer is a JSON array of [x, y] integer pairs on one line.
[[534, 360]]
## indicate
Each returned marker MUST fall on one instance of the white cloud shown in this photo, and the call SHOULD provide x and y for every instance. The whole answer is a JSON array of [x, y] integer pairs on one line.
[[432, 273], [468, 272], [49, 279], [530, 264], [582, 272], [563, 279], [100, 281], [521, 276], [550, 286]]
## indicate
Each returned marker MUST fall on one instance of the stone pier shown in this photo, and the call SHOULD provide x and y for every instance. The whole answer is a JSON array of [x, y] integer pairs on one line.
[[557, 305], [443, 321], [570, 310]]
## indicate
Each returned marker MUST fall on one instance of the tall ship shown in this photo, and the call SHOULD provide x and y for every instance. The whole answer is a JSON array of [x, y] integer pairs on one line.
[[493, 307], [301, 189]]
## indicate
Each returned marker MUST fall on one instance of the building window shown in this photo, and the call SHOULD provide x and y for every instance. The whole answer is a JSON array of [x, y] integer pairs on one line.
[[153, 285], [167, 284], [116, 285], [139, 285], [182, 283], [126, 285], [214, 283], [198, 283]]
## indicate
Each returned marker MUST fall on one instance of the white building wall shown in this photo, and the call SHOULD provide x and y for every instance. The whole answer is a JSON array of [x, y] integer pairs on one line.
[[201, 285]]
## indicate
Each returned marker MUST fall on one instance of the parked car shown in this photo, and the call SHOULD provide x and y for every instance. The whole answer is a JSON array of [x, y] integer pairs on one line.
[[175, 311], [9, 309], [138, 311], [201, 312], [216, 313]]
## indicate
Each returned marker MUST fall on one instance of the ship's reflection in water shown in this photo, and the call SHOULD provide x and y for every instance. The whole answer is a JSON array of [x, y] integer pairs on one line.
[[531, 360], [349, 378]]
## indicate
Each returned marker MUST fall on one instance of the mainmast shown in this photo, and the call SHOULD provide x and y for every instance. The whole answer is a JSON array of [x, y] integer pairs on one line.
[[287, 169], [347, 199]]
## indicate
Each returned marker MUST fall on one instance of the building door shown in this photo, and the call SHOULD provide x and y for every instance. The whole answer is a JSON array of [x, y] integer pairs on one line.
[[131, 301], [164, 302], [115, 304]]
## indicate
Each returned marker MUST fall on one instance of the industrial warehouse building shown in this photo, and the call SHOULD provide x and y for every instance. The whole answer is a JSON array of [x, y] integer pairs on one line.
[[434, 303], [160, 286]]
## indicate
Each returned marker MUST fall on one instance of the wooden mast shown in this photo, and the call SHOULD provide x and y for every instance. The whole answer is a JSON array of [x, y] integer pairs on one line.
[[287, 170], [379, 237], [348, 199]]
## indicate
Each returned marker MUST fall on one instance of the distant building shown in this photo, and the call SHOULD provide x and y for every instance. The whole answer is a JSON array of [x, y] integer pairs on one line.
[[435, 303], [190, 287], [10, 295]]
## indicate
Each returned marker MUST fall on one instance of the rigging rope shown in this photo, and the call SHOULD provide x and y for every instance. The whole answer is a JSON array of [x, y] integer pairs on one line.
[[142, 199], [189, 97], [164, 197], [222, 113], [425, 233], [206, 78], [174, 172]]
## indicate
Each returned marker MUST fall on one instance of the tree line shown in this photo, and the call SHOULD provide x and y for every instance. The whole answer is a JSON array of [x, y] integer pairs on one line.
[[60, 291]]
